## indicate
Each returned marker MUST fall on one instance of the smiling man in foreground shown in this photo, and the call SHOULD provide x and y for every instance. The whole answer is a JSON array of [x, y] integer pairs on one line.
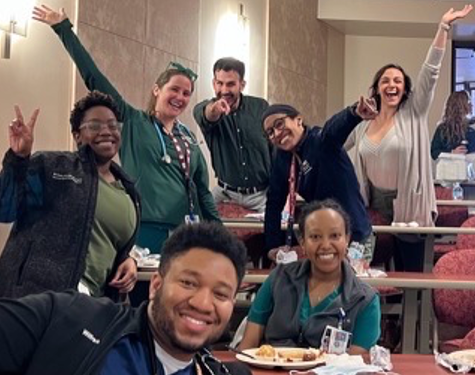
[[191, 302]]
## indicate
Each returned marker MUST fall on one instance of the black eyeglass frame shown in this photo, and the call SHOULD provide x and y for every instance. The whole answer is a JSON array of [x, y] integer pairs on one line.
[[111, 125], [270, 132]]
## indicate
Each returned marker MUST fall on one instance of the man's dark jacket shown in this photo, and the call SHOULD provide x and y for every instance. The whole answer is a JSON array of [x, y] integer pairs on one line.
[[71, 333]]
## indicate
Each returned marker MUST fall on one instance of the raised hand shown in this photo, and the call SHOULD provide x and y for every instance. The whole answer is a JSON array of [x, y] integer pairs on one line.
[[366, 108], [21, 134], [216, 109], [451, 15], [47, 15]]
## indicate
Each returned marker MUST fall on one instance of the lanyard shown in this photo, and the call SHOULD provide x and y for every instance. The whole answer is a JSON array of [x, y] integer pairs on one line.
[[293, 183], [183, 150]]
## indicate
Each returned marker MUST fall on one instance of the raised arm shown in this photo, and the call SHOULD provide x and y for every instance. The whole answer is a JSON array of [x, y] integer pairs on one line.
[[440, 39], [21, 133], [337, 128], [93, 78], [208, 113], [429, 74], [18, 187]]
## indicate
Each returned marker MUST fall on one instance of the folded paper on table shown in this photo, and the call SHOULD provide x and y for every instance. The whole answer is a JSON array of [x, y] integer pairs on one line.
[[451, 167]]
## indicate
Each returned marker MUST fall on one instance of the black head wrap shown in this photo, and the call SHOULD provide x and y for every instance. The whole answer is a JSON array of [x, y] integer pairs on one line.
[[279, 108]]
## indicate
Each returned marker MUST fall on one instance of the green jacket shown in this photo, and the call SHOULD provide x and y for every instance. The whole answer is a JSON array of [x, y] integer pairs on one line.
[[161, 185]]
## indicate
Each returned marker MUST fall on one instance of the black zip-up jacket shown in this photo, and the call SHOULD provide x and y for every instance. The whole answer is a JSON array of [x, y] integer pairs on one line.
[[71, 333], [325, 172], [51, 198]]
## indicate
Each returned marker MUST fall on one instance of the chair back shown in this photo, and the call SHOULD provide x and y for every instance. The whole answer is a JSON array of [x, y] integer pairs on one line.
[[455, 306], [449, 216], [466, 241]]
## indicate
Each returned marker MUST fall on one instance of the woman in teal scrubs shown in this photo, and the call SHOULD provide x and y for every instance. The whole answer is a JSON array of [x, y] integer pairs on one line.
[[299, 300]]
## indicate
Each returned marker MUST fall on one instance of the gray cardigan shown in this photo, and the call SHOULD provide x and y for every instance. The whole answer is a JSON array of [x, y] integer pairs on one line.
[[415, 187]]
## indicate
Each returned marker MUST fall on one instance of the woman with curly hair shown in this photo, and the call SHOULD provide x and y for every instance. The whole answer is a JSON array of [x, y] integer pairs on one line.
[[453, 133], [75, 214]]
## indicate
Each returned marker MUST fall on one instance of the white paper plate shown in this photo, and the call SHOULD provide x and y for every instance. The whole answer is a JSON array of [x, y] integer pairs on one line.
[[283, 365]]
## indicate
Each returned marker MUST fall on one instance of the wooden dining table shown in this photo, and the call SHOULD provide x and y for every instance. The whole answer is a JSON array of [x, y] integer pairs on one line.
[[404, 364]]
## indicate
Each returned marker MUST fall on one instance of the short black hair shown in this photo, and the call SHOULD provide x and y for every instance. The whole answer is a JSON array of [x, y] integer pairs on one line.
[[230, 63], [327, 204], [206, 235], [92, 99]]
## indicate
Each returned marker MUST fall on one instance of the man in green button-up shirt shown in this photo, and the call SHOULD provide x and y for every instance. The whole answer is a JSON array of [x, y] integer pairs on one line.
[[231, 124]]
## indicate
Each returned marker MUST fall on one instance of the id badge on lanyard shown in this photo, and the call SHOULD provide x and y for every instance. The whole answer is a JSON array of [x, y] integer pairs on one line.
[[293, 186], [336, 340], [192, 219], [183, 151]]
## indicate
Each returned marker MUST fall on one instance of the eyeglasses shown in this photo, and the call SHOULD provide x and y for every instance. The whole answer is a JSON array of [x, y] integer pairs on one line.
[[96, 126], [187, 71], [278, 124]]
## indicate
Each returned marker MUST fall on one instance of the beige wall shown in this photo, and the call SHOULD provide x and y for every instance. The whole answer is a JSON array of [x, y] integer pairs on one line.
[[365, 55], [133, 44], [335, 71], [38, 75], [213, 12], [298, 57]]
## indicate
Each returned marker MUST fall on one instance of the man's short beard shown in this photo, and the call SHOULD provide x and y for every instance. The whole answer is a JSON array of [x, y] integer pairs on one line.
[[164, 328], [232, 96]]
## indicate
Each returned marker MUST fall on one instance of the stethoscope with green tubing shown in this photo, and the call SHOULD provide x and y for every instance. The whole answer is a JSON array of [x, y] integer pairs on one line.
[[183, 130]]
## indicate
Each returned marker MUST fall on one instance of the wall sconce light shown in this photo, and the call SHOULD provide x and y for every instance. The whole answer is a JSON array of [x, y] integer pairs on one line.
[[14, 16], [233, 37]]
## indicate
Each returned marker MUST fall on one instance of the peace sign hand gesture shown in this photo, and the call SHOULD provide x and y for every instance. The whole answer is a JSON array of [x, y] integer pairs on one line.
[[21, 134], [49, 16]]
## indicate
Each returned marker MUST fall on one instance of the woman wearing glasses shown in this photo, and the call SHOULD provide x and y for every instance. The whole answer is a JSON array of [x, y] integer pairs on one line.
[[311, 161], [158, 152], [75, 214]]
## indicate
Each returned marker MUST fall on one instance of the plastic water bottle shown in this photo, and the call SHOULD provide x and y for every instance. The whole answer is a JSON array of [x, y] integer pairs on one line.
[[470, 171], [457, 192]]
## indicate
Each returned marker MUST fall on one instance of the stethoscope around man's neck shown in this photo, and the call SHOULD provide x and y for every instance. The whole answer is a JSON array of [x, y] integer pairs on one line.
[[181, 129]]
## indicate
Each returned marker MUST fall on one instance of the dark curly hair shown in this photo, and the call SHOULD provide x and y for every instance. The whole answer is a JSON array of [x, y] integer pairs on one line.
[[373, 89], [327, 204], [454, 122], [206, 235], [91, 100]]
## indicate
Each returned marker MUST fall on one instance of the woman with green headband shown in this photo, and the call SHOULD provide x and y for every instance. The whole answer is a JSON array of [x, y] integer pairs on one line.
[[158, 151]]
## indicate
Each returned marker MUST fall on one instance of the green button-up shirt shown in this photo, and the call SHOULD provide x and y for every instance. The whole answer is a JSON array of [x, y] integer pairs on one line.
[[240, 152]]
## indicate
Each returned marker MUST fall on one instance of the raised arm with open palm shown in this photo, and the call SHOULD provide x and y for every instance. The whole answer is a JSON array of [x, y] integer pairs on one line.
[[21, 134], [47, 15]]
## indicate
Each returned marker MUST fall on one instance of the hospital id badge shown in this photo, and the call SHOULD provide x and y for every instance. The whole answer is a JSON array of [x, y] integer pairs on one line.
[[192, 219], [335, 341]]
